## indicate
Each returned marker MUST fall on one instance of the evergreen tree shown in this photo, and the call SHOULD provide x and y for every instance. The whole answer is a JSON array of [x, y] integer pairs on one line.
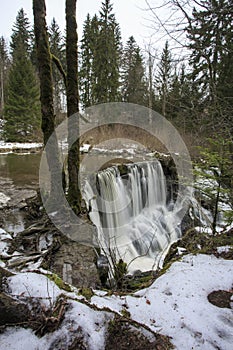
[[106, 62], [22, 108], [134, 88], [57, 48], [21, 33], [87, 53], [163, 79], [4, 70], [211, 35], [173, 107]]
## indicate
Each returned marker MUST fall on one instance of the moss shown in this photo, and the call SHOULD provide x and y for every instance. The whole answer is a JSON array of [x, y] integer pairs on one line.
[[125, 313], [137, 283], [59, 282], [86, 292]]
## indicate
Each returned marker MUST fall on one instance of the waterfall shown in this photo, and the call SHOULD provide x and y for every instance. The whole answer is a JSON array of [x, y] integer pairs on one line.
[[133, 214]]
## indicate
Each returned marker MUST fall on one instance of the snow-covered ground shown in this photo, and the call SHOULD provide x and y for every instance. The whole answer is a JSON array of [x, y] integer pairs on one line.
[[3, 200], [175, 304], [14, 146]]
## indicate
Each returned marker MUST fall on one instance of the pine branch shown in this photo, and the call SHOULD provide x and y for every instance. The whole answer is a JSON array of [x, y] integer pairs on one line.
[[59, 67]]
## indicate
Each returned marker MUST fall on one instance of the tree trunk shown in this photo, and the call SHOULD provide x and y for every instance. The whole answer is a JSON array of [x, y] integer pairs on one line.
[[46, 96], [151, 63], [74, 194]]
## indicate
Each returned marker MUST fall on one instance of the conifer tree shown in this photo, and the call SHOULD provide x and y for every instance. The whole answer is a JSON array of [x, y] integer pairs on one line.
[[134, 88], [21, 35], [164, 79], [106, 62], [87, 53], [22, 107], [211, 35]]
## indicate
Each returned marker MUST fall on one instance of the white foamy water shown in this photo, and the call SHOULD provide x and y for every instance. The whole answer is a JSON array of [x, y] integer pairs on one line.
[[133, 214]]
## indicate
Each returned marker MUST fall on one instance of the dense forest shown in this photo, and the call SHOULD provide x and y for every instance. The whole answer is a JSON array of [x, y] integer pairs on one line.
[[195, 94]]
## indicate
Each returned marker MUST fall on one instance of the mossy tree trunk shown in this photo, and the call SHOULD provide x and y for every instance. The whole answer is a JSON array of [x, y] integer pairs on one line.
[[46, 95], [74, 194]]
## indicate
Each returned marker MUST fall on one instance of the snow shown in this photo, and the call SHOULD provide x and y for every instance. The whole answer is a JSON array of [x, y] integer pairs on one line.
[[34, 285], [85, 148], [3, 249], [3, 199], [2, 264], [19, 339], [224, 249], [18, 145], [2, 231], [4, 237], [181, 250], [92, 323], [175, 304]]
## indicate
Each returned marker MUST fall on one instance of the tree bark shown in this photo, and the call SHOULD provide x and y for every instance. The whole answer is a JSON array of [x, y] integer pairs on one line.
[[74, 194], [46, 96]]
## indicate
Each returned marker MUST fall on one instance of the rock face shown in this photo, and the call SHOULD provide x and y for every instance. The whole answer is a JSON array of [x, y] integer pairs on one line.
[[75, 264]]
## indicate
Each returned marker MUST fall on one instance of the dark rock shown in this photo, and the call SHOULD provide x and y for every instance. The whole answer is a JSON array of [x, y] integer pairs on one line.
[[221, 298], [74, 263], [12, 312], [103, 268], [3, 274]]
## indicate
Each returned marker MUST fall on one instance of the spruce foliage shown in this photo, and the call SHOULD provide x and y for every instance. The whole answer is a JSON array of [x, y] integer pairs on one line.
[[211, 36], [134, 87], [100, 58], [88, 49], [22, 107], [21, 35], [163, 80]]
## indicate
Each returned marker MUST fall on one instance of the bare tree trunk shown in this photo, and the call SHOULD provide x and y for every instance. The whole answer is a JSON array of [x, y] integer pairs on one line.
[[74, 194], [46, 95]]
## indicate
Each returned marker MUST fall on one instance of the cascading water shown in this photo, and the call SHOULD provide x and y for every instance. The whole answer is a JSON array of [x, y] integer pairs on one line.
[[133, 214]]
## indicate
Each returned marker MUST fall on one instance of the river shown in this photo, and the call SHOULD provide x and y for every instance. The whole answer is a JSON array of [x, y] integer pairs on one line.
[[19, 179]]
